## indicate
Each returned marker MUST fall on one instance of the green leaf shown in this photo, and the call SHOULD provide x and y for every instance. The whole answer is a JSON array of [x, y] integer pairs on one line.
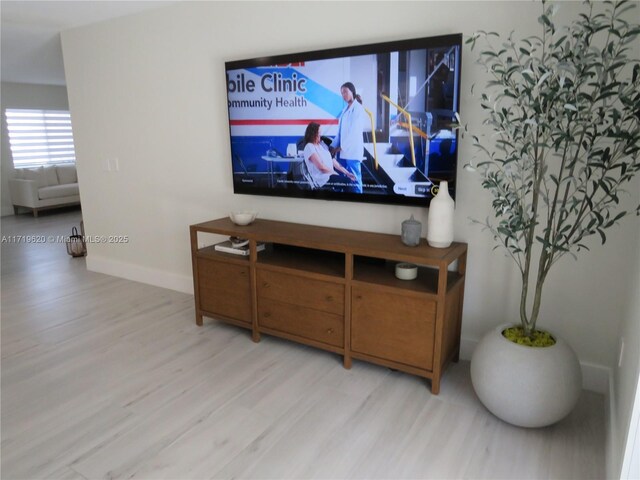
[[582, 245], [599, 217], [558, 42], [489, 53], [543, 19], [615, 32]]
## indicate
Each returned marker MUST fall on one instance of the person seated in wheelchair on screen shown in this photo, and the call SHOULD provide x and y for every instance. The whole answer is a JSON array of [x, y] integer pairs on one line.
[[320, 164]]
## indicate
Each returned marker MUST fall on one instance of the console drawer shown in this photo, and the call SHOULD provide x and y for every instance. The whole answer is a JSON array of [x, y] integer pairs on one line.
[[225, 289], [302, 291], [393, 326], [300, 321]]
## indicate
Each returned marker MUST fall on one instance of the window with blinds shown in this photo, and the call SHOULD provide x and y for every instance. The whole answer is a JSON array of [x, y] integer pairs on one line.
[[40, 137]]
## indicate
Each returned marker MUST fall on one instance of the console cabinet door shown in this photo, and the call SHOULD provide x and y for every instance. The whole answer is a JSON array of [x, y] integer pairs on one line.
[[393, 326], [225, 289]]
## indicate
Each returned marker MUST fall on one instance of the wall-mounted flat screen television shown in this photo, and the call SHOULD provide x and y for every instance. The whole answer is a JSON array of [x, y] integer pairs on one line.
[[369, 123]]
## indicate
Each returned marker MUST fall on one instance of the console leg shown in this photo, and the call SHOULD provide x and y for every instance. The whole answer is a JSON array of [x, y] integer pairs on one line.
[[435, 386], [346, 361], [198, 320], [255, 336]]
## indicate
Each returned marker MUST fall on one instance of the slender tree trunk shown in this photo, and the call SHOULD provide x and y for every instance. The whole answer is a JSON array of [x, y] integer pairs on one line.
[[523, 303], [537, 299], [527, 325]]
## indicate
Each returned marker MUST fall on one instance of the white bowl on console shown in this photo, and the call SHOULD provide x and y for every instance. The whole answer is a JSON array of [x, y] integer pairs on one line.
[[243, 218], [406, 271]]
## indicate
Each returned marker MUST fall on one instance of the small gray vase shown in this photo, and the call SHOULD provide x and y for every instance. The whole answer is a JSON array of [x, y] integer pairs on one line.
[[411, 231]]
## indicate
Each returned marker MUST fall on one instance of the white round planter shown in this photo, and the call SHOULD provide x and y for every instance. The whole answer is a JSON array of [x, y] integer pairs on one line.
[[525, 386]]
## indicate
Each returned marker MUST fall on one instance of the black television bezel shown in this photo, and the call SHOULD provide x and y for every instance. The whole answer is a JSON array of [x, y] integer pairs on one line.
[[367, 49]]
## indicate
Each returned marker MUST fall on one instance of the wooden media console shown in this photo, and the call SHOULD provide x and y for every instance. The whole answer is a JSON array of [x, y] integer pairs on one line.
[[335, 289]]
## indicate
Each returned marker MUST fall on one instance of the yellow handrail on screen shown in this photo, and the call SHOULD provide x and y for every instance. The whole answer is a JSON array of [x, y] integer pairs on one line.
[[408, 115], [415, 129], [373, 136]]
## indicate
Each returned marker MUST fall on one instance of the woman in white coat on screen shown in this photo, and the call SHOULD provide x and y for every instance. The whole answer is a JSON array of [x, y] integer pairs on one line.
[[349, 142]]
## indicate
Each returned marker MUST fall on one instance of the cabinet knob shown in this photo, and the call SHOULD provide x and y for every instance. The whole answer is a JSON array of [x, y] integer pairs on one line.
[[358, 297], [330, 331], [267, 314], [329, 298], [265, 284]]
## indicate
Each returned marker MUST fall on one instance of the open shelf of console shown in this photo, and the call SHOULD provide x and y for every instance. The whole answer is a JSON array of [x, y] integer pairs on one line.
[[336, 289], [382, 273], [301, 260]]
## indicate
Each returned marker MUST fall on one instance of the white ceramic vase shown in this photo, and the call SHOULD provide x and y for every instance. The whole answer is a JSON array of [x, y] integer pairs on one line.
[[525, 386], [440, 218]]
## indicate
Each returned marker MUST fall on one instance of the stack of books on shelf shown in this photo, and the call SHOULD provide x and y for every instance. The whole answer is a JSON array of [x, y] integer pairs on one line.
[[237, 246]]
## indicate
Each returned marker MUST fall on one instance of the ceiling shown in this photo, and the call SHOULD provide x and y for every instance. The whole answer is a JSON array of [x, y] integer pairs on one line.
[[30, 34]]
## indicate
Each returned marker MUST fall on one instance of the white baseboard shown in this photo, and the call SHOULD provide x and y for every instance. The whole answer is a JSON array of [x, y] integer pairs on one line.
[[138, 273], [595, 378], [467, 346]]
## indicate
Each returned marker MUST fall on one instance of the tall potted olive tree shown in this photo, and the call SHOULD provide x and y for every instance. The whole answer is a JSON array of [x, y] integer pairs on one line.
[[564, 110]]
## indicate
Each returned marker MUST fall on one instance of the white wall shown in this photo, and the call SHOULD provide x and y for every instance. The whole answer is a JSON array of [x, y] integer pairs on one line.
[[149, 90], [627, 375], [21, 95]]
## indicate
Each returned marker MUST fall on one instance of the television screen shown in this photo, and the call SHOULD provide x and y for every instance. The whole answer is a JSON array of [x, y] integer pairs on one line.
[[371, 123]]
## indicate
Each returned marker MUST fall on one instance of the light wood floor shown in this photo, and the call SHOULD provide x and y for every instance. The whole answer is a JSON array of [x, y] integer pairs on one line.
[[108, 378]]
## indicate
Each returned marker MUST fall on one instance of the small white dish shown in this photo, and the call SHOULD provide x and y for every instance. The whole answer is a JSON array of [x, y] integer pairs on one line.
[[242, 218], [406, 271]]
